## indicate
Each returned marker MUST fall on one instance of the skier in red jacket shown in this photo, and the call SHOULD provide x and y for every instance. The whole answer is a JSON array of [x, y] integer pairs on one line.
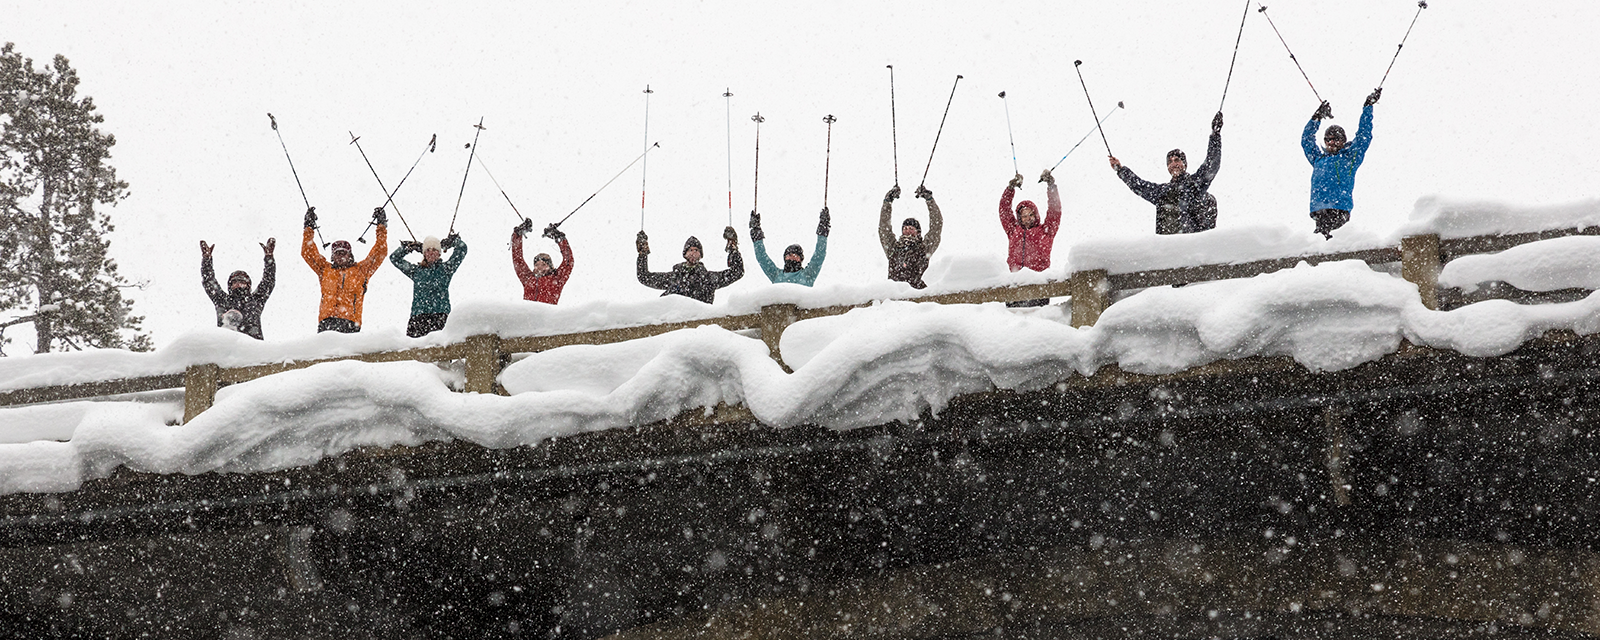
[[1030, 239], [543, 282]]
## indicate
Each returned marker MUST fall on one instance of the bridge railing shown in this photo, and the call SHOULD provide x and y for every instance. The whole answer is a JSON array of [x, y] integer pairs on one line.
[[1091, 291]]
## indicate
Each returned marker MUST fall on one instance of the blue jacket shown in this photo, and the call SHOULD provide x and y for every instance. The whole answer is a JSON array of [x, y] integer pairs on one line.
[[806, 276], [1333, 175], [430, 286]]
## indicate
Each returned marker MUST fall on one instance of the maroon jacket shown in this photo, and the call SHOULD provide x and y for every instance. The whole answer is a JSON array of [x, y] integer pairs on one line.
[[548, 288], [1030, 247]]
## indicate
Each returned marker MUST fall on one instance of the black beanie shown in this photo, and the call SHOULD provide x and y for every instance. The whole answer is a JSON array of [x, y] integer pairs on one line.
[[1178, 153], [693, 242], [795, 249], [238, 275], [912, 222]]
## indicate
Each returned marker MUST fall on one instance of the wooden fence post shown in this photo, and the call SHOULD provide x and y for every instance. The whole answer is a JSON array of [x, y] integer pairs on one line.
[[1091, 293], [1419, 265], [774, 319], [199, 389], [483, 363]]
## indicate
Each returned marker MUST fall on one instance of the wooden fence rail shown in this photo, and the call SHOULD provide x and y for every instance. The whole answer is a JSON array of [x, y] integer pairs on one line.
[[1091, 291]]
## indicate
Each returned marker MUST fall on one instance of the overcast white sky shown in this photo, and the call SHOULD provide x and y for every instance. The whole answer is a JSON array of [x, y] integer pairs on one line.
[[1488, 100]]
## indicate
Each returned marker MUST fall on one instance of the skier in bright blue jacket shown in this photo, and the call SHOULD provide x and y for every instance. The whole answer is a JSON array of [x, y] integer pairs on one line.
[[1333, 173], [793, 255]]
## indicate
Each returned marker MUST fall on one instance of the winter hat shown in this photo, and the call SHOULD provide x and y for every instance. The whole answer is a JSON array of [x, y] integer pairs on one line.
[[545, 257], [1336, 131], [794, 249], [341, 245], [912, 222], [430, 242], [693, 242], [1178, 153], [238, 275]]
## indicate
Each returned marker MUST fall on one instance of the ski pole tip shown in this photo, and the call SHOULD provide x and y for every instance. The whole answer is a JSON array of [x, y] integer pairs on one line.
[[1422, 4], [1119, 104], [1077, 63]]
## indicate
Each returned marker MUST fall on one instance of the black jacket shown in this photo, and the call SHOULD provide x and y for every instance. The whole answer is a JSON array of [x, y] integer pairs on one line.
[[691, 280], [249, 304], [1182, 205]]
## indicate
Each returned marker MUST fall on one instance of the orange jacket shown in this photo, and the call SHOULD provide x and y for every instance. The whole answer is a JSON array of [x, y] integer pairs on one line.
[[343, 290]]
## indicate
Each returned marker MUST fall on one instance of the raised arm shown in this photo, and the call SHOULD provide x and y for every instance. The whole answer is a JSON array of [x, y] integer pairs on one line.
[[1363, 134], [930, 240], [458, 253], [308, 250], [269, 276], [1150, 191], [1308, 140], [565, 270], [647, 277], [398, 258], [817, 256], [208, 276], [1208, 169], [765, 261], [733, 273], [380, 246], [1052, 217], [885, 231], [1008, 220], [518, 265]]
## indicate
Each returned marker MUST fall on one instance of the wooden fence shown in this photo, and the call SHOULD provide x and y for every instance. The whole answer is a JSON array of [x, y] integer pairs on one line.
[[1091, 292]]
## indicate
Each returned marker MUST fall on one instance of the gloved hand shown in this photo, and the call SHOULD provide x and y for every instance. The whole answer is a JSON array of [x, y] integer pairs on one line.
[[524, 228], [450, 240], [1373, 99], [732, 237], [270, 246], [1047, 178], [311, 218], [1323, 111], [553, 233], [755, 227], [1216, 123], [924, 192], [824, 223], [642, 243], [1116, 165], [379, 217], [1016, 181], [893, 194], [410, 245], [205, 249]]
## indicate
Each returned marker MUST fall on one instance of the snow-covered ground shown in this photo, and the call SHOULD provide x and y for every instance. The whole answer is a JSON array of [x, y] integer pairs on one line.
[[890, 361]]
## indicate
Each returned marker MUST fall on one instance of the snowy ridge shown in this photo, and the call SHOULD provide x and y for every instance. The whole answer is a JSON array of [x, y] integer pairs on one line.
[[891, 361], [1455, 218]]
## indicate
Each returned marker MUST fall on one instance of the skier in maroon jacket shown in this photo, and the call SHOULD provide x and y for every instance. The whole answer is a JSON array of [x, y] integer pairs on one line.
[[1030, 239], [543, 282]]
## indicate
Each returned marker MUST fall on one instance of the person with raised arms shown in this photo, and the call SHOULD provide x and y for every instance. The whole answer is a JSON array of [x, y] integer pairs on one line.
[[691, 278], [343, 280], [238, 297], [1333, 168], [794, 269], [544, 281], [909, 253], [1184, 204], [430, 280]]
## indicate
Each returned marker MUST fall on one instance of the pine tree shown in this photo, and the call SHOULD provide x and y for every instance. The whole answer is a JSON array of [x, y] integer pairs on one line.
[[56, 189]]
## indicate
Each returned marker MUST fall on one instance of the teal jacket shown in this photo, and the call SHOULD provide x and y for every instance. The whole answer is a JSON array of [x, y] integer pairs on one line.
[[430, 286], [806, 276]]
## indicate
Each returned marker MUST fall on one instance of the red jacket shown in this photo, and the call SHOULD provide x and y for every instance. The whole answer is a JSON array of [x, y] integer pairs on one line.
[[548, 288], [1030, 247]]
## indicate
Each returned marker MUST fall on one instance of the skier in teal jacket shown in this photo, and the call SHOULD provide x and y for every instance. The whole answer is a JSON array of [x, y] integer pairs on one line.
[[1333, 172], [793, 255], [430, 280]]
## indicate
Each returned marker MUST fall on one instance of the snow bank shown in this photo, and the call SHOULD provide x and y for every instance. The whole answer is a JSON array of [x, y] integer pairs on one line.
[[890, 361], [1462, 218], [1217, 246], [1547, 265]]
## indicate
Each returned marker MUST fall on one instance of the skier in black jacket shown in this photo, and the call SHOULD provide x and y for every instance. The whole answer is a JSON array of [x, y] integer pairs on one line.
[[1183, 205], [690, 278], [238, 297]]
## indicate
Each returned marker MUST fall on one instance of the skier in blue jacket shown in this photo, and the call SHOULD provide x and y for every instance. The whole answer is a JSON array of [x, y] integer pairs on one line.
[[793, 256], [1333, 172]]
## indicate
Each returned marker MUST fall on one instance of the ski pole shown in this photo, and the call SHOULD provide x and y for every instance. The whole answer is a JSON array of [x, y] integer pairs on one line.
[[941, 131], [1235, 58], [1263, 11], [827, 159], [1077, 66], [466, 173], [894, 130], [1085, 137], [608, 182], [296, 173], [727, 114], [486, 171], [1421, 4], [1009, 135], [390, 201], [432, 144], [644, 172], [755, 196]]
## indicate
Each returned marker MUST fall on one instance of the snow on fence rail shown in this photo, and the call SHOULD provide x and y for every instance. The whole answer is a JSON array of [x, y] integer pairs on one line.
[[1421, 257]]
